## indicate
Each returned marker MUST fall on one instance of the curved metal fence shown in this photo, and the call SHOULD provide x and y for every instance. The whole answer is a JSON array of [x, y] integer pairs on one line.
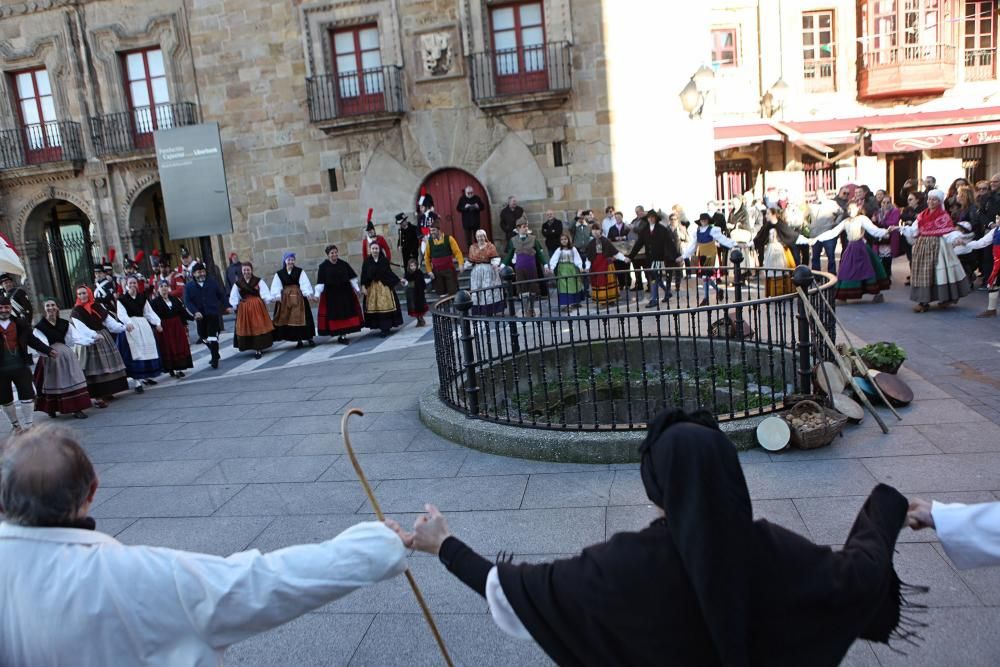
[[512, 354]]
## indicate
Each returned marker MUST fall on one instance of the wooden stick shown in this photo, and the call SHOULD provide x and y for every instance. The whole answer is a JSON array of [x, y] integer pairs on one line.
[[845, 369], [858, 361], [378, 513]]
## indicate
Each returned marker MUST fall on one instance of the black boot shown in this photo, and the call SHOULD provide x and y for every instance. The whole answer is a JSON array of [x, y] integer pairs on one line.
[[213, 347]]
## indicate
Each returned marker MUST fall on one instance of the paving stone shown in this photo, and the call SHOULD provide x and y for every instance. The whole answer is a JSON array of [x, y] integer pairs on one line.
[[305, 529], [800, 479], [983, 581], [165, 450], [402, 465], [953, 636], [303, 498], [627, 489], [320, 444], [472, 639], [235, 428], [104, 493], [307, 425], [156, 473], [961, 438], [221, 536], [942, 472], [243, 447], [310, 640], [569, 489], [273, 469], [480, 463], [629, 518], [452, 493], [427, 441], [781, 512], [865, 443], [113, 526], [210, 413], [100, 419], [937, 411], [566, 530], [921, 564], [366, 441], [388, 421], [299, 408], [288, 394], [381, 391], [137, 433], [167, 501]]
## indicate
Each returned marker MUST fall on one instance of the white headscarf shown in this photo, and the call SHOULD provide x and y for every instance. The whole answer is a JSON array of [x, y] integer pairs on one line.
[[937, 194]]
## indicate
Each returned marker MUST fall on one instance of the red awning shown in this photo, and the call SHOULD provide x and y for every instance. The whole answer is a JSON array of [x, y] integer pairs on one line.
[[935, 136]]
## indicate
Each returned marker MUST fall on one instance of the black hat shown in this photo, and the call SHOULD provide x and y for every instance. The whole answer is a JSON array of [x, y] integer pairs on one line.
[[400, 217], [4, 300], [705, 216], [108, 267], [370, 227], [6, 276], [652, 211], [199, 266]]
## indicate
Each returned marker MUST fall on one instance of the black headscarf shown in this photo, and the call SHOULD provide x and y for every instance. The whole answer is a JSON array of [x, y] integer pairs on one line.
[[706, 584], [372, 270]]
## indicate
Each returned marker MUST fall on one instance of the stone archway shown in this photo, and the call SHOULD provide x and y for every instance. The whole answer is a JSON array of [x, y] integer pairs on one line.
[[147, 225], [446, 186], [58, 250]]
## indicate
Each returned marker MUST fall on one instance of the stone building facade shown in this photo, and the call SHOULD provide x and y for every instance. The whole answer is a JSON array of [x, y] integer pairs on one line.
[[325, 109]]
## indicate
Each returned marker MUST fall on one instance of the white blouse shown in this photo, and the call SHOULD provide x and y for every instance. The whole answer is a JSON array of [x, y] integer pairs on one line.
[[970, 534], [265, 294], [147, 312], [554, 260], [85, 336], [855, 228], [304, 285], [70, 340], [717, 236]]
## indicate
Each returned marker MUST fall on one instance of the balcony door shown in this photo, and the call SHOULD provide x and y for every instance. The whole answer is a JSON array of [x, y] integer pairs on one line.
[[357, 60], [148, 96], [519, 48], [39, 129]]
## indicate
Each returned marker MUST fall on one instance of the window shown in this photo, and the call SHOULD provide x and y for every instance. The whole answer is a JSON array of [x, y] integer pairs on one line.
[[148, 97], [724, 48], [905, 30], [35, 106], [519, 47], [980, 40], [817, 51], [357, 63]]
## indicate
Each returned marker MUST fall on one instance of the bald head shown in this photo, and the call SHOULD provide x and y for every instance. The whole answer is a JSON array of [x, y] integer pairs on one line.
[[46, 478]]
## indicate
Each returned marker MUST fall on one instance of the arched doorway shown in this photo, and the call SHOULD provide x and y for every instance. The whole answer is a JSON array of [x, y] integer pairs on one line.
[[446, 187], [59, 251], [148, 229]]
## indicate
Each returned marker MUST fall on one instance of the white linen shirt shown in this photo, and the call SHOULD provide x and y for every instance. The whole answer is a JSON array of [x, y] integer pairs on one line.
[[970, 534], [79, 597]]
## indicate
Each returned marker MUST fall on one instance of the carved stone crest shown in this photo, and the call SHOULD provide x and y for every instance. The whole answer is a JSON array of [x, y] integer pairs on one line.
[[436, 53]]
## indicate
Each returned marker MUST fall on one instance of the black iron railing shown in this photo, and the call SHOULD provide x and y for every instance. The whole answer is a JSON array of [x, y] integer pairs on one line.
[[614, 364], [128, 131], [525, 70], [371, 91], [40, 143]]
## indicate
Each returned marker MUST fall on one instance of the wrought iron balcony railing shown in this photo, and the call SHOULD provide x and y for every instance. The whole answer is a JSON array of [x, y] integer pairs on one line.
[[521, 71], [980, 64], [129, 131], [40, 143], [372, 91]]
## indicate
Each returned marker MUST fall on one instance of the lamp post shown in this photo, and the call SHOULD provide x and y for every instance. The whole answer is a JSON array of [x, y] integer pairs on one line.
[[694, 93]]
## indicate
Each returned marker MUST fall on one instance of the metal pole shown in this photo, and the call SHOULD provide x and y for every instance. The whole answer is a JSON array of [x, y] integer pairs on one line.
[[803, 279], [508, 278], [736, 257], [463, 302]]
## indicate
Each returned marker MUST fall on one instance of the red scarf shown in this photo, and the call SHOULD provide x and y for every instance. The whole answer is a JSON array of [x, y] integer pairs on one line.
[[88, 305]]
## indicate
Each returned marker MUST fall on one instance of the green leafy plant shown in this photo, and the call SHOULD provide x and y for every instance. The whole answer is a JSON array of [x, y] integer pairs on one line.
[[883, 356]]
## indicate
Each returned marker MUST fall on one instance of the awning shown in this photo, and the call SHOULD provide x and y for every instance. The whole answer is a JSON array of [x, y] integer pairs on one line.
[[819, 136], [935, 136]]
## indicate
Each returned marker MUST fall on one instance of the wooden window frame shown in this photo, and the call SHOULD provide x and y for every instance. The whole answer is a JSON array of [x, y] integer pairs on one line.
[[523, 80], [364, 101], [717, 52], [142, 135], [819, 81], [979, 59], [45, 143]]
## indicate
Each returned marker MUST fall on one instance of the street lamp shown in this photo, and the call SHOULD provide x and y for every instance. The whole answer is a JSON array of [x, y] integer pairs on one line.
[[693, 94], [774, 98]]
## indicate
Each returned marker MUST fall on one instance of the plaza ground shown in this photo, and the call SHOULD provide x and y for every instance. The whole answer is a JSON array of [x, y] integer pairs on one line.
[[254, 460]]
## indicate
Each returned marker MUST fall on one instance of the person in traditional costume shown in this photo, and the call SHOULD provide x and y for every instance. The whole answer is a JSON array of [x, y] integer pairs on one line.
[[188, 265], [337, 290], [293, 318], [662, 252], [990, 242], [137, 344], [174, 279], [60, 385], [568, 266], [371, 236], [254, 329], [890, 246], [204, 298], [20, 302], [525, 254], [704, 246], [600, 253], [409, 237], [936, 272], [969, 534], [484, 281], [132, 271], [860, 271], [15, 366], [416, 288], [105, 287], [441, 256], [172, 335], [92, 327], [741, 593], [378, 286], [776, 242]]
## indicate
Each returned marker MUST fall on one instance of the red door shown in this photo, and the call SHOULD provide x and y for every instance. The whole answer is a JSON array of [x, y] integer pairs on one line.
[[446, 187]]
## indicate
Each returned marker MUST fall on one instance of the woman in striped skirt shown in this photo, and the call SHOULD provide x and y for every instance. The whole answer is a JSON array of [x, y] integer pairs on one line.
[[60, 385], [936, 272], [92, 327]]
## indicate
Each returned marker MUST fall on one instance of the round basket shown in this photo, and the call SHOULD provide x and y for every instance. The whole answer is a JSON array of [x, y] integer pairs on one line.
[[819, 434]]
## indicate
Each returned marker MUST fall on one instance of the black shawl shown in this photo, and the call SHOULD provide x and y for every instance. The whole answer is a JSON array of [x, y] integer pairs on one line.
[[786, 235], [707, 585], [56, 333], [380, 271], [134, 305], [166, 311]]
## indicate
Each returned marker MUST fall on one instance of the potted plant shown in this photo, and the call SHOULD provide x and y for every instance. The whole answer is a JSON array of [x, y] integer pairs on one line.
[[884, 356]]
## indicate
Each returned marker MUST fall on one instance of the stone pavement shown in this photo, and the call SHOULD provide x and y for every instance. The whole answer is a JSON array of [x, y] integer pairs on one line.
[[228, 464]]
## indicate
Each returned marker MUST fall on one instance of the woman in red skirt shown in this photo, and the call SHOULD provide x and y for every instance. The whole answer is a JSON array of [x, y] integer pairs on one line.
[[336, 288], [172, 343]]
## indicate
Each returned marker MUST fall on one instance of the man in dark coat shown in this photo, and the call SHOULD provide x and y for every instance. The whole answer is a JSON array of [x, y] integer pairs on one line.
[[662, 251], [509, 216], [19, 302], [204, 297], [15, 365], [552, 229], [233, 271], [409, 238], [471, 208]]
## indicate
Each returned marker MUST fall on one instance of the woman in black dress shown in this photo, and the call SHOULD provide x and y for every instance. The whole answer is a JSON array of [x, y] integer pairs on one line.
[[172, 341], [291, 290], [378, 286], [336, 288]]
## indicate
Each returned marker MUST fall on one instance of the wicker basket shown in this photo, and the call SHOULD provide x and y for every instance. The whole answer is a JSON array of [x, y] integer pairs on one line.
[[821, 436]]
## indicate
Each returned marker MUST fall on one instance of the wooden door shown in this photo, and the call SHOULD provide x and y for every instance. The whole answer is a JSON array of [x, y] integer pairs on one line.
[[446, 188], [519, 48]]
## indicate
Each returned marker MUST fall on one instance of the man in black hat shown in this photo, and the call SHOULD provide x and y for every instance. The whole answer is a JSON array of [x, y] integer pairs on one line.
[[204, 297], [409, 238], [105, 289], [19, 302], [662, 251], [15, 365]]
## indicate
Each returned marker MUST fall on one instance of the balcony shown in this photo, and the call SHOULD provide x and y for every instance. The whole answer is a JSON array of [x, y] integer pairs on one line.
[[521, 79], [819, 75], [911, 69], [365, 100], [132, 131], [41, 143], [980, 64]]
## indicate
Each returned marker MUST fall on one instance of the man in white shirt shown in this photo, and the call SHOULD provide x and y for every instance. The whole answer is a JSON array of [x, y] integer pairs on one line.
[[78, 597], [970, 534]]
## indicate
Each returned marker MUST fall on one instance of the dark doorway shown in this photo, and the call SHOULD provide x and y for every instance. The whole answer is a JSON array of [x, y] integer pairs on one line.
[[59, 251], [900, 167], [446, 187]]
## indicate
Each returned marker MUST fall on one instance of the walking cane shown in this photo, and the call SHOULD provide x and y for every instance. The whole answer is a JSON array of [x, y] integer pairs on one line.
[[381, 517]]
